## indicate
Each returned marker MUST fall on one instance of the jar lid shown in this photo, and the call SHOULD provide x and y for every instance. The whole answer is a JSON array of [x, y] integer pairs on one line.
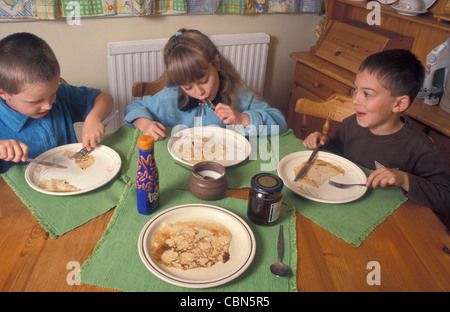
[[145, 142], [267, 183]]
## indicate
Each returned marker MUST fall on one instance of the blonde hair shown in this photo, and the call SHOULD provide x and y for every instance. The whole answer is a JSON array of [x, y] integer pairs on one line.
[[187, 56]]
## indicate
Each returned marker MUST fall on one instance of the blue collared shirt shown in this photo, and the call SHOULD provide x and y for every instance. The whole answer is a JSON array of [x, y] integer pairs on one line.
[[72, 104]]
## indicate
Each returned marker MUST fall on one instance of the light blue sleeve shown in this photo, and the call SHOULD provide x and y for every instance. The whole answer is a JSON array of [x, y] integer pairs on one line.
[[157, 107], [136, 110], [263, 118]]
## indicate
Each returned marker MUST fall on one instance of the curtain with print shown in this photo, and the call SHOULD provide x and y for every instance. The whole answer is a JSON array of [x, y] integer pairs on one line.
[[53, 9]]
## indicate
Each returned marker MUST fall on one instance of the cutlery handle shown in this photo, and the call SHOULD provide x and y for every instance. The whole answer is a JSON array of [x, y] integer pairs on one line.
[[280, 243], [210, 104], [185, 167], [110, 118]]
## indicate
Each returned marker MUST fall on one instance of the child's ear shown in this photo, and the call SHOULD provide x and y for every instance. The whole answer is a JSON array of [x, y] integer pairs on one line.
[[3, 94], [401, 104]]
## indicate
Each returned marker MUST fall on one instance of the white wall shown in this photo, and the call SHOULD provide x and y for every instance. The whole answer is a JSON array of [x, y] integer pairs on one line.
[[81, 50]]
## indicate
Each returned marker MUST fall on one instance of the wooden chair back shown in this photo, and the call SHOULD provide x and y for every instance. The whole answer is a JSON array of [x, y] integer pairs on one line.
[[141, 88], [336, 108]]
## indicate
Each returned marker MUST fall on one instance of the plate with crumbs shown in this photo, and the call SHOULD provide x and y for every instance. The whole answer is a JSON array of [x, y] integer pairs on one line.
[[197, 273], [317, 188], [81, 176], [197, 144]]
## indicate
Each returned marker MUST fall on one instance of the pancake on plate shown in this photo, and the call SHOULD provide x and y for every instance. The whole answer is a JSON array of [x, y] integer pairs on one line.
[[190, 245], [319, 172], [197, 148], [56, 185], [83, 162]]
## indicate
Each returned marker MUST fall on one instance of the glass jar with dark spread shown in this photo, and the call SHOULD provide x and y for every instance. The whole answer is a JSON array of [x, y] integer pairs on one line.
[[264, 201]]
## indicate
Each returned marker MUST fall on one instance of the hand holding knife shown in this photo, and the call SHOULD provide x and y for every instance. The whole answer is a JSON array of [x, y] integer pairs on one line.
[[305, 168]]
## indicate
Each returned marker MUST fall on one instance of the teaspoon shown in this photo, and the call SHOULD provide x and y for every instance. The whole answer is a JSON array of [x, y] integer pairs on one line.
[[195, 172], [278, 268]]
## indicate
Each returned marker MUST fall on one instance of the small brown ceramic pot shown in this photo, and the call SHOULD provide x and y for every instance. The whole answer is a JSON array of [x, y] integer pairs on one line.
[[212, 188]]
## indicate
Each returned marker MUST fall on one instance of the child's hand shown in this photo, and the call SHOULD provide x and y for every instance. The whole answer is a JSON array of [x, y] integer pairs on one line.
[[93, 128], [314, 138], [385, 176], [92, 133], [231, 116], [13, 150], [150, 127]]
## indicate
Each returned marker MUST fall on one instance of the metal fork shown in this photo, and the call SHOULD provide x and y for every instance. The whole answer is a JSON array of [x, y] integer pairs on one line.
[[344, 186], [83, 152]]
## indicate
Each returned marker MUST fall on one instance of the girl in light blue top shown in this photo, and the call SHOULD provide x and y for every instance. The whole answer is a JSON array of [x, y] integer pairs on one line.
[[197, 71]]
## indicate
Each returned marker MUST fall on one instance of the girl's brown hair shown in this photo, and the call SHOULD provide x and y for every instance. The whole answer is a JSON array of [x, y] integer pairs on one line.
[[187, 56]]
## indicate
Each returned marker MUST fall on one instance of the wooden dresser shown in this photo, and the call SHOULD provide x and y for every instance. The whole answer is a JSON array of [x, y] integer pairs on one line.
[[318, 77]]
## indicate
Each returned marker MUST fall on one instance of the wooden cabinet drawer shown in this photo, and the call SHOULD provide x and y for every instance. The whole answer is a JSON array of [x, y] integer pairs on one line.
[[298, 91], [317, 83]]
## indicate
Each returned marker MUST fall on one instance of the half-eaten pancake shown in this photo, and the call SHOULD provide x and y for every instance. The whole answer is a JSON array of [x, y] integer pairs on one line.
[[85, 161], [56, 185], [319, 172]]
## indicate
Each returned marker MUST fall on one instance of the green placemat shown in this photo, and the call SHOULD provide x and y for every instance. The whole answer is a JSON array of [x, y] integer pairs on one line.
[[116, 264], [60, 214], [354, 221]]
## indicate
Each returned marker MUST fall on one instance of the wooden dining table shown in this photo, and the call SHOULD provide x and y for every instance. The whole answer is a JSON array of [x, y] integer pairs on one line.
[[409, 251]]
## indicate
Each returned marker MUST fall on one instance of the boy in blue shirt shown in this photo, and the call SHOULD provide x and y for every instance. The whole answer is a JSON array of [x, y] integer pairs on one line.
[[36, 111]]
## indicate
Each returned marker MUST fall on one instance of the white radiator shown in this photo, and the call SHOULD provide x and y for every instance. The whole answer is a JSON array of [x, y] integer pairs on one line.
[[142, 60]]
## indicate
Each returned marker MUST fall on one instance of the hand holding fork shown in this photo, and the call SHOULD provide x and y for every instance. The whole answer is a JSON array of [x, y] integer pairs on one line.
[[84, 151]]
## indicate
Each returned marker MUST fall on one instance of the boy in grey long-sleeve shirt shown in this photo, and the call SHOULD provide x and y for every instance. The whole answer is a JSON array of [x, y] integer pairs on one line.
[[380, 138]]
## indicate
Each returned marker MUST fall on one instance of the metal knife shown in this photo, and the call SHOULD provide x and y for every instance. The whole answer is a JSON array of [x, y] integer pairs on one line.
[[110, 118], [303, 171], [46, 163]]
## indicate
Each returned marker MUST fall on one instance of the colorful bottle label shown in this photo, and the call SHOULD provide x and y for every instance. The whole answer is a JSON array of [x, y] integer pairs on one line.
[[147, 183]]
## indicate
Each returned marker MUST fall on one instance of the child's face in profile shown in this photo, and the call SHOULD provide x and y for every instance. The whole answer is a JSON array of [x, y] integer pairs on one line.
[[206, 87], [35, 100], [375, 108]]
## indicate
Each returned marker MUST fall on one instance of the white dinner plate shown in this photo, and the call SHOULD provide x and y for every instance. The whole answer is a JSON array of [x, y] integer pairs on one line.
[[237, 147], [107, 165], [242, 247], [326, 193], [429, 3], [397, 8]]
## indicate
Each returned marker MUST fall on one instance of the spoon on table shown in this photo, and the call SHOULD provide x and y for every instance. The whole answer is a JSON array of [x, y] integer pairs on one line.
[[195, 172], [278, 268]]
